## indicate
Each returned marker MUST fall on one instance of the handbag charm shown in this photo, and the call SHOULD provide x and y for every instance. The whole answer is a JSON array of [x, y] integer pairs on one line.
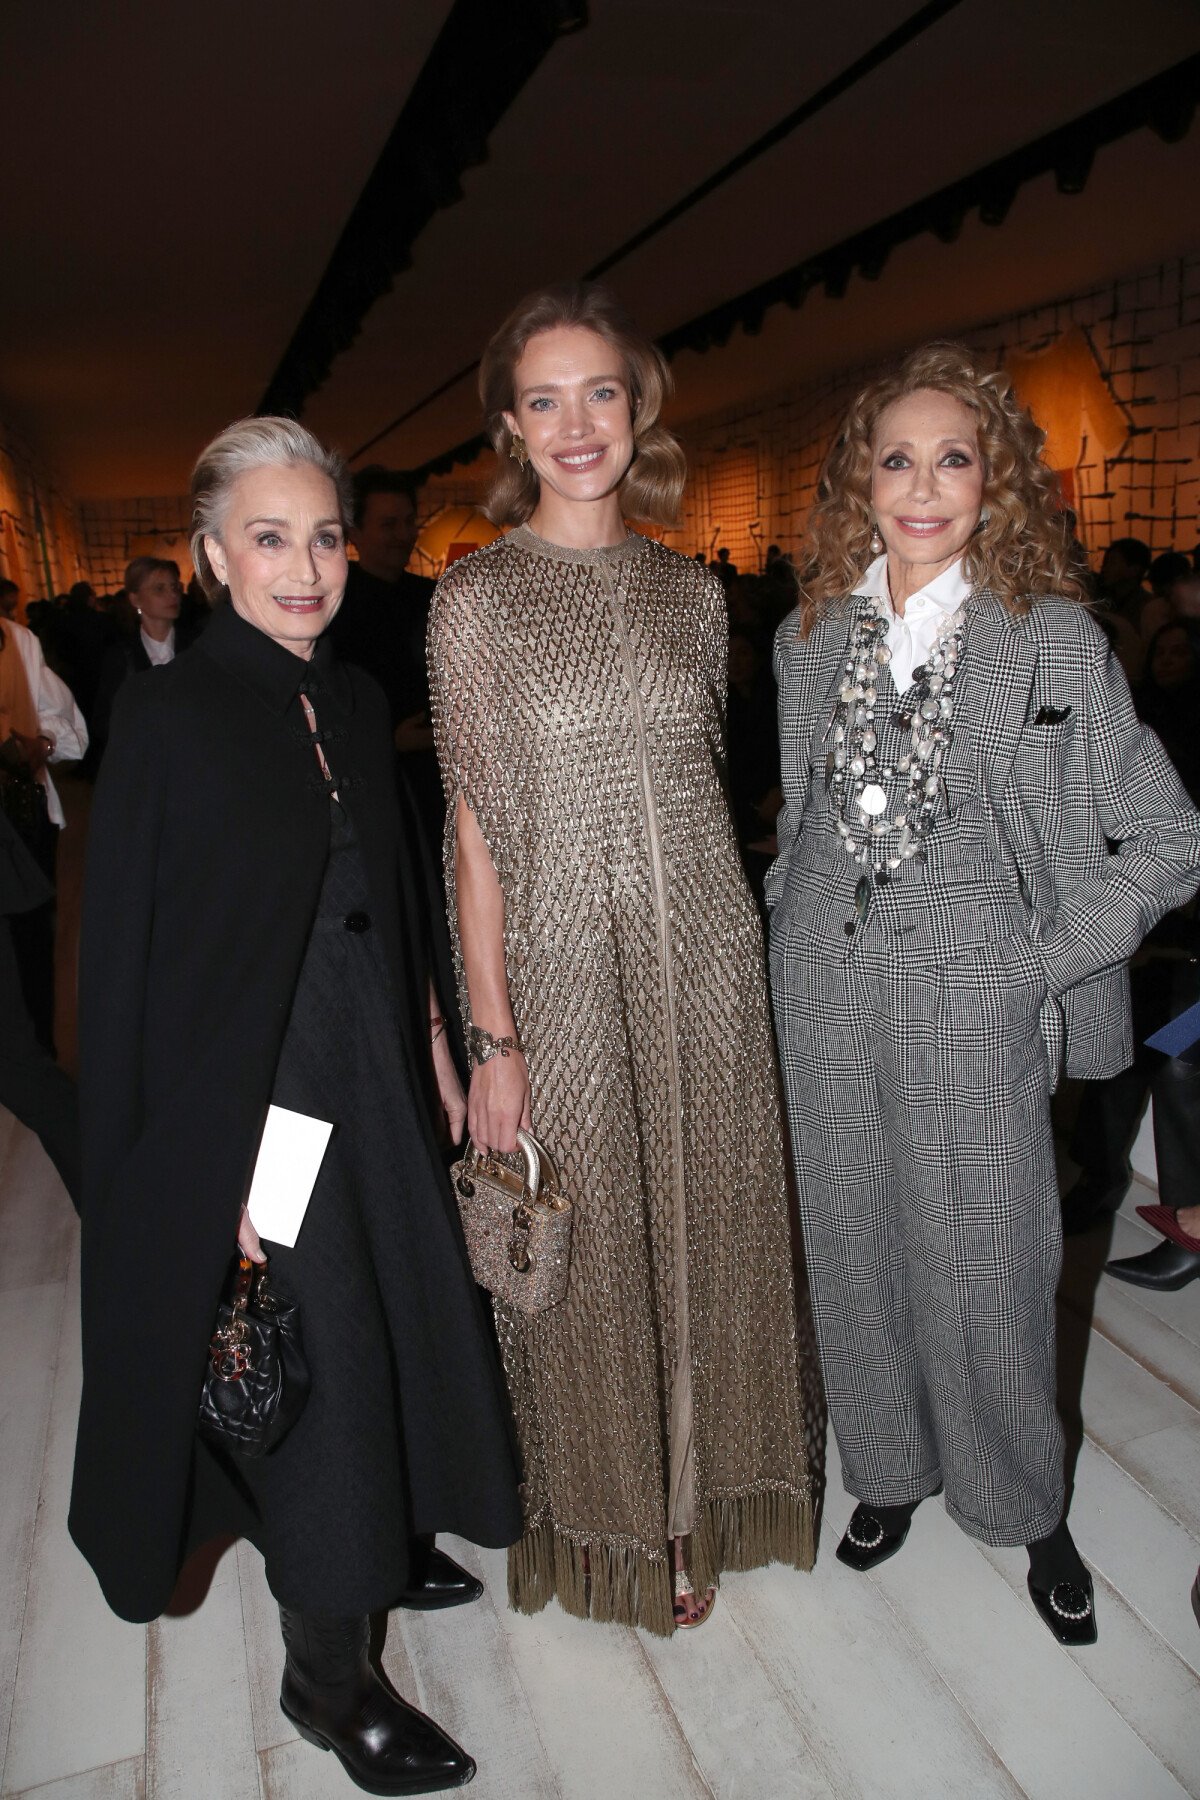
[[257, 1379], [517, 1225]]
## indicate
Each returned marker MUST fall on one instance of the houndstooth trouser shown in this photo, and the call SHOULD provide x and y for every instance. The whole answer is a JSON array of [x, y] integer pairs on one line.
[[918, 1090]]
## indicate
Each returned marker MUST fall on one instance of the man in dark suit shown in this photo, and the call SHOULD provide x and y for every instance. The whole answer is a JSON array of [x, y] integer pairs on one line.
[[381, 626], [31, 1084]]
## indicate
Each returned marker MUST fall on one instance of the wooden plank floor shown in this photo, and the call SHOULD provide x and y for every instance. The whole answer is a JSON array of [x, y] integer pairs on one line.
[[931, 1678]]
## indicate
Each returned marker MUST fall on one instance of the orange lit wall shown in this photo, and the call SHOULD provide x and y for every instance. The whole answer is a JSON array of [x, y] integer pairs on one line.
[[41, 541], [118, 530], [760, 460]]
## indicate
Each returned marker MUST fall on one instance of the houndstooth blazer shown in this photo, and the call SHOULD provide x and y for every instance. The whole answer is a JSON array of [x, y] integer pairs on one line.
[[1086, 810]]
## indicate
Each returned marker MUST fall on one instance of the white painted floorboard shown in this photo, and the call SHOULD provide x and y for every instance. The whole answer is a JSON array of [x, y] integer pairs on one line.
[[930, 1678]]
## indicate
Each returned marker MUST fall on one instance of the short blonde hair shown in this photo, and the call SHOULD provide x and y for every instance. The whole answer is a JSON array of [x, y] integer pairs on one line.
[[653, 484], [1022, 551], [252, 444]]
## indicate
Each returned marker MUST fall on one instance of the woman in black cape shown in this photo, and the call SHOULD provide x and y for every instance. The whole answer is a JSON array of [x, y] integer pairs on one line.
[[257, 929]]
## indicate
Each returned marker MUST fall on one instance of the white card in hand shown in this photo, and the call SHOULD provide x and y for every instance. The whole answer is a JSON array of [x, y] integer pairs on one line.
[[289, 1160]]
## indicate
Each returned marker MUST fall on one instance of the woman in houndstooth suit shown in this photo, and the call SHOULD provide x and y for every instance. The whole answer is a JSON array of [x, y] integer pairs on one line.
[[977, 833]]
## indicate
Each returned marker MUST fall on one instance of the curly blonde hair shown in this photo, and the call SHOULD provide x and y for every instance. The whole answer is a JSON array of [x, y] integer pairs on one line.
[[1021, 551], [653, 484]]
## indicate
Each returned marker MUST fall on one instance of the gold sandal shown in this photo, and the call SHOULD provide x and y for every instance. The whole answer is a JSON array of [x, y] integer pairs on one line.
[[685, 1618]]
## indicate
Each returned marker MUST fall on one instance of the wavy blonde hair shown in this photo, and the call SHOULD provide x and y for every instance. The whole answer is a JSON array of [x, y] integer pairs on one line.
[[653, 483], [1021, 551]]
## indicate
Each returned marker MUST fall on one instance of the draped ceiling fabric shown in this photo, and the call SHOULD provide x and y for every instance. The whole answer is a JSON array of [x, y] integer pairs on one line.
[[1067, 394]]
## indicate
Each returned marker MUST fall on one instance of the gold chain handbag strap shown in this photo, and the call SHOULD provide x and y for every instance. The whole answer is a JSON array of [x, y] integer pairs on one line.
[[230, 1357]]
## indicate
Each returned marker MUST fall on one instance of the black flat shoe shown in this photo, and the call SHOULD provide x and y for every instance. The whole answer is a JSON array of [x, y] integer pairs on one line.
[[1166, 1267], [866, 1543], [436, 1581], [1067, 1609]]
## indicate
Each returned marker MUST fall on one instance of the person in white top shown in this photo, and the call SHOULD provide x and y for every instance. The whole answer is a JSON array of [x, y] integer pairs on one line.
[[977, 833], [39, 724], [63, 732], [155, 595], [911, 632], [152, 586]]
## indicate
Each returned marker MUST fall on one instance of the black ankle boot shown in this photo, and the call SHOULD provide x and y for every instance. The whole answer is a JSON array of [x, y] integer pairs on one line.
[[336, 1701]]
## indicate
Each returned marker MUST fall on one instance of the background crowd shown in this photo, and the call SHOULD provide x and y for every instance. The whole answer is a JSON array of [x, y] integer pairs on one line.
[[87, 643]]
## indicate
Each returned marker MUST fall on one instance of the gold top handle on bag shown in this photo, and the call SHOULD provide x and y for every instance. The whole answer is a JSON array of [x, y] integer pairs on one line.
[[517, 1223]]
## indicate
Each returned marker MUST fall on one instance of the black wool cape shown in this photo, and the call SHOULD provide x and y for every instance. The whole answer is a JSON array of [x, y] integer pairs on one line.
[[207, 847]]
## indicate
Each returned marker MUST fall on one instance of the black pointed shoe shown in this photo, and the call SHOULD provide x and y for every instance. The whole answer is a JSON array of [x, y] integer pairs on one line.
[[338, 1701], [436, 1581], [1068, 1609], [1166, 1267], [866, 1543]]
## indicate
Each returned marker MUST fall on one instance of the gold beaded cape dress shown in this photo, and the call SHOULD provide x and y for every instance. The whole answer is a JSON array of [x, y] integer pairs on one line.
[[578, 704]]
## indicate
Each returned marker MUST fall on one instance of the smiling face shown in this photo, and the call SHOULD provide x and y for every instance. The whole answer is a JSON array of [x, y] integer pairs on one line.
[[926, 481], [572, 407], [281, 553]]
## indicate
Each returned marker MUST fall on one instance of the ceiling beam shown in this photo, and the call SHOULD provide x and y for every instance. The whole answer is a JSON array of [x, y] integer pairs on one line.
[[484, 54], [1165, 104]]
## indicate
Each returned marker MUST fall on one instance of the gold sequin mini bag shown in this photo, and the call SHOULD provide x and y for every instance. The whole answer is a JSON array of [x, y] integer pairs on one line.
[[517, 1224]]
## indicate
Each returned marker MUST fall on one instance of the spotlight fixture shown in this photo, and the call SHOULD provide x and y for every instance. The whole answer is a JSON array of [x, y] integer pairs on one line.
[[1072, 170]]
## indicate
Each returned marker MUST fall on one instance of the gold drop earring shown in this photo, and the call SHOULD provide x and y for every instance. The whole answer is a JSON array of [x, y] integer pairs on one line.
[[519, 449]]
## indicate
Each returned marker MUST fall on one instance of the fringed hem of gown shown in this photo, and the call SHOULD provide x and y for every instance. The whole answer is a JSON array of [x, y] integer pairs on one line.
[[622, 1583]]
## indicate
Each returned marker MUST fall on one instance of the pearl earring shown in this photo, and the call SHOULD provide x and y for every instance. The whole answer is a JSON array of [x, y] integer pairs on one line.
[[876, 545]]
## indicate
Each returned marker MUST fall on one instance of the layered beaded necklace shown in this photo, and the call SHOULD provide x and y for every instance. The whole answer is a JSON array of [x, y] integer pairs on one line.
[[876, 833]]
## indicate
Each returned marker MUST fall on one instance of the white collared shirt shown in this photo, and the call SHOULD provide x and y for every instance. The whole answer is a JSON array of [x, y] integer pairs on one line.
[[910, 638], [158, 652], [58, 716]]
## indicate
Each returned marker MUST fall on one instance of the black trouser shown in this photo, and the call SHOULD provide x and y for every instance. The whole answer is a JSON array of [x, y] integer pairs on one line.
[[1162, 988], [31, 1084]]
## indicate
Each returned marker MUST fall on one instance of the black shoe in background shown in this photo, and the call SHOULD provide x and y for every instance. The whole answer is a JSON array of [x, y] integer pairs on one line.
[[435, 1581], [1167, 1267]]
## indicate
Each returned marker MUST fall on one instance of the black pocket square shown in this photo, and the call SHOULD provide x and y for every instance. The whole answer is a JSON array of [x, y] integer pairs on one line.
[[1051, 715]]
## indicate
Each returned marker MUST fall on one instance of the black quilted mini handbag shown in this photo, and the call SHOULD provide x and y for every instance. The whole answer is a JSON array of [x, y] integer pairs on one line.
[[257, 1379]]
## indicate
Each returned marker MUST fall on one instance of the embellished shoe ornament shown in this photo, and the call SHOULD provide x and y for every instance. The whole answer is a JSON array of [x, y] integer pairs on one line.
[[1067, 1609], [688, 1618], [866, 1543]]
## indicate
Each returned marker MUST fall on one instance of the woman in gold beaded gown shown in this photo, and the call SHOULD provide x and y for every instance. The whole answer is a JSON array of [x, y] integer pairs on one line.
[[610, 964]]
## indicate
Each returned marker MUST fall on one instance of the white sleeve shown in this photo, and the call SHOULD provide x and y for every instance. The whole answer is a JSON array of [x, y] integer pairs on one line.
[[60, 718]]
